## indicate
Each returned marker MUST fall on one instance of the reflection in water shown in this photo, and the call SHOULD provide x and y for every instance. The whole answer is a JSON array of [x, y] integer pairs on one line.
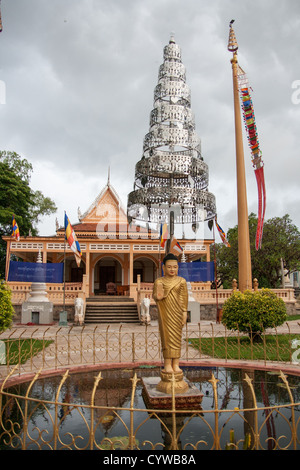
[[72, 412]]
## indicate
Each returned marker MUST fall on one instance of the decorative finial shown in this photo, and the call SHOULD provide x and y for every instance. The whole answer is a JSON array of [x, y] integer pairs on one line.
[[232, 42], [108, 177], [39, 257], [172, 39]]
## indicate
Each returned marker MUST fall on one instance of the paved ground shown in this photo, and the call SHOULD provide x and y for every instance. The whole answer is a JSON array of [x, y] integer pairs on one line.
[[206, 326]]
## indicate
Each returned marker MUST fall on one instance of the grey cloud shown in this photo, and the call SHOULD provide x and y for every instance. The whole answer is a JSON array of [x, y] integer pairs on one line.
[[80, 79]]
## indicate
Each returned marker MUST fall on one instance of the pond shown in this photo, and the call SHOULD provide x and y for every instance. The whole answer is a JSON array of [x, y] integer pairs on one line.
[[65, 418]]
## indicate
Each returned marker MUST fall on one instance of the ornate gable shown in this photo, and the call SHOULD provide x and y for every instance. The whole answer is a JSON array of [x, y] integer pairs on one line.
[[106, 218], [106, 208]]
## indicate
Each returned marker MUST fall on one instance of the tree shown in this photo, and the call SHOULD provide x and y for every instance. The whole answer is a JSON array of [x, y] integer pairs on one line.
[[18, 199], [6, 308], [281, 240], [253, 312]]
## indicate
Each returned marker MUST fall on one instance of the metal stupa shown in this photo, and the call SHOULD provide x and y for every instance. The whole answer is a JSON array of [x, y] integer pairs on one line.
[[171, 175]]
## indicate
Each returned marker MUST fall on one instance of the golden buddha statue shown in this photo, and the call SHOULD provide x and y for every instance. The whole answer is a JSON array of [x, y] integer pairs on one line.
[[171, 296]]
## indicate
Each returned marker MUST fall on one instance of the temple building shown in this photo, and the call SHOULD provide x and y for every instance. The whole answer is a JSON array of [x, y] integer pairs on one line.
[[114, 253], [120, 247]]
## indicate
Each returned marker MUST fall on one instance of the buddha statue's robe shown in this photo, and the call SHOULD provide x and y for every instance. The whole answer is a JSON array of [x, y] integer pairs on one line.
[[170, 314]]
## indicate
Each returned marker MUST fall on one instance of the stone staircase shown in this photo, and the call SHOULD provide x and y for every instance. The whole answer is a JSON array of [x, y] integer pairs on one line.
[[111, 309]]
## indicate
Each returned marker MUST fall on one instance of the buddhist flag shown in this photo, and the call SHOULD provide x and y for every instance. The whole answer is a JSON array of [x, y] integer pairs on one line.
[[222, 234], [72, 240], [15, 229], [175, 247], [164, 235]]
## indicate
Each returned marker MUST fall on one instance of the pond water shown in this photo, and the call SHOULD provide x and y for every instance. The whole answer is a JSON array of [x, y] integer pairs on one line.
[[114, 391]]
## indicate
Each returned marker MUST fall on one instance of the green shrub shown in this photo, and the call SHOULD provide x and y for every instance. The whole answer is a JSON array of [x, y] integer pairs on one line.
[[252, 312], [6, 308]]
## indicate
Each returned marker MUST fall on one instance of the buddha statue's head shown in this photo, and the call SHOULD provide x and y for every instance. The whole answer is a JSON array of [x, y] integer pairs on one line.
[[170, 265]]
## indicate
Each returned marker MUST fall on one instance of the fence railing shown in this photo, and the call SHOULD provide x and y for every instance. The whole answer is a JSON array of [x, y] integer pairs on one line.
[[104, 421], [32, 349]]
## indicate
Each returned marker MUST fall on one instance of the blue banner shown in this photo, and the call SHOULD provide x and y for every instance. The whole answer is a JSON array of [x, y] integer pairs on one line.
[[35, 272], [203, 271]]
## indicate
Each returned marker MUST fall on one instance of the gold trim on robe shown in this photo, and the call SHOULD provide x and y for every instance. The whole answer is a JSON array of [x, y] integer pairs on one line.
[[170, 314]]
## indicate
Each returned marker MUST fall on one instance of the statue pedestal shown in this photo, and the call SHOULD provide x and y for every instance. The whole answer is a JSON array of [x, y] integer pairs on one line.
[[165, 385], [187, 396]]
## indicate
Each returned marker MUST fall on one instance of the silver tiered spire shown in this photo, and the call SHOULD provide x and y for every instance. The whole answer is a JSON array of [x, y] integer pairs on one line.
[[171, 176]]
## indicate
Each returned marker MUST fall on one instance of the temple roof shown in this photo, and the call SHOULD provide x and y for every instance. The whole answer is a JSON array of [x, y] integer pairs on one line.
[[106, 207], [106, 215]]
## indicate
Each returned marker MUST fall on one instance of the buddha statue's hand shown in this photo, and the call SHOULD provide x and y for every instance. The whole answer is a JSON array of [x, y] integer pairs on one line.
[[160, 291]]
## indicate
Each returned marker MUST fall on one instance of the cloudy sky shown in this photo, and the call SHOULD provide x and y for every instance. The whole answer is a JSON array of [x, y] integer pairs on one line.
[[77, 85]]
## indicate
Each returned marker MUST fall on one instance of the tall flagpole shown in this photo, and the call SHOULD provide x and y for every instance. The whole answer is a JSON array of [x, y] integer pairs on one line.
[[65, 264], [218, 319], [244, 256], [7, 264]]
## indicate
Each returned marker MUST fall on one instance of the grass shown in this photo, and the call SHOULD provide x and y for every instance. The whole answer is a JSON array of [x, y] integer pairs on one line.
[[271, 348], [293, 317], [19, 351]]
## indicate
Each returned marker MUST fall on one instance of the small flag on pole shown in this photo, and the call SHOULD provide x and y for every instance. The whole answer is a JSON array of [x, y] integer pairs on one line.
[[222, 234], [164, 235], [15, 229], [176, 248], [72, 240]]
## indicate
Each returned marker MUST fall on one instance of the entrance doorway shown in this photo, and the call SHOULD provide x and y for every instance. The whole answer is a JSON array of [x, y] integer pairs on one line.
[[107, 270], [106, 274], [146, 268]]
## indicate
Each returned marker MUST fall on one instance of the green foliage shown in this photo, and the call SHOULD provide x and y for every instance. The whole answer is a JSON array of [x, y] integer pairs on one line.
[[274, 347], [18, 199], [6, 308], [253, 312], [266, 262]]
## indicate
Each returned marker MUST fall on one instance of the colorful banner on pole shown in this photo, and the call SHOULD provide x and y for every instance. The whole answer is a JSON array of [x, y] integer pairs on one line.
[[175, 247], [249, 119], [15, 229], [72, 240], [164, 235], [222, 234]]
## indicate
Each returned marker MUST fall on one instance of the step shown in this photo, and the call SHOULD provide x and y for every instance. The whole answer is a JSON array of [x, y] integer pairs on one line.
[[109, 298], [105, 315], [111, 319], [106, 311], [110, 307]]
